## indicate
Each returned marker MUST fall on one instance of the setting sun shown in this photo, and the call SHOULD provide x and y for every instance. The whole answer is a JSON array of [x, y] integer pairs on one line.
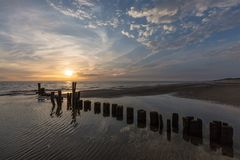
[[68, 72]]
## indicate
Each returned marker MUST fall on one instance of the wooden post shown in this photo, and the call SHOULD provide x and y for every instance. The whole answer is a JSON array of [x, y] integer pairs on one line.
[[119, 113], [175, 122], [68, 101], [81, 104], [154, 121], [130, 115], [106, 109], [59, 98], [168, 129], [227, 140], [59, 103], [73, 94], [196, 131], [114, 110], [97, 107], [160, 123], [141, 118], [215, 134], [39, 88], [87, 105], [168, 125], [186, 127], [52, 99]]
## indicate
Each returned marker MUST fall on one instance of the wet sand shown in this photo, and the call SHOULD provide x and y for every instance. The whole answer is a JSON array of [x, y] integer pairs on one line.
[[222, 91], [29, 131]]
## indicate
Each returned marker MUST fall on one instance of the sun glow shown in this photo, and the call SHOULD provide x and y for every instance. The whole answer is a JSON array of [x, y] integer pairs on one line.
[[68, 73]]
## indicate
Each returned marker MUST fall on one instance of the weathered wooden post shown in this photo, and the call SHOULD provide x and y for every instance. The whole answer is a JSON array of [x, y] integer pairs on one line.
[[168, 129], [227, 134], [59, 98], [78, 102], [87, 105], [186, 127], [141, 118], [215, 134], [160, 123], [97, 107], [154, 121], [130, 115], [73, 94], [168, 125], [53, 103], [227, 140], [119, 113], [68, 101], [196, 131], [59, 103], [81, 104], [53, 98], [39, 88], [106, 109], [114, 110], [175, 125]]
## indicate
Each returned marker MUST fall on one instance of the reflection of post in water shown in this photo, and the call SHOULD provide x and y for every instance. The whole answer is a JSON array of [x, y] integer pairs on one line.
[[87, 105], [114, 110], [59, 104], [97, 107], [141, 118], [119, 113], [53, 103], [106, 109], [168, 129], [175, 126], [154, 121], [192, 130], [130, 115], [221, 135]]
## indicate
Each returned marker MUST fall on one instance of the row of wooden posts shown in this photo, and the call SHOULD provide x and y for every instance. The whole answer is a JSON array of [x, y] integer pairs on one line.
[[221, 134]]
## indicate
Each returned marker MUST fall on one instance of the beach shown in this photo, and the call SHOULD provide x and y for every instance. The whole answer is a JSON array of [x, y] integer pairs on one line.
[[222, 91], [33, 128], [30, 130]]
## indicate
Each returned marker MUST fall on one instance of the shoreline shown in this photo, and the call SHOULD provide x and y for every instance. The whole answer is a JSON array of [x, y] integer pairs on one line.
[[215, 91], [218, 91]]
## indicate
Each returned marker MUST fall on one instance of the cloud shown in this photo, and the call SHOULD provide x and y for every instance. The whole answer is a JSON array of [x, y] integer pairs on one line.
[[169, 28], [127, 34], [89, 74], [78, 8], [154, 15]]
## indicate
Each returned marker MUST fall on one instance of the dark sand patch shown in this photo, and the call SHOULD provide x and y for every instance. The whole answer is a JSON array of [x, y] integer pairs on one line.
[[217, 91]]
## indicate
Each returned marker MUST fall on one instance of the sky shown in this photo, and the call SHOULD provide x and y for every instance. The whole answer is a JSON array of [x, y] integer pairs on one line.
[[119, 39]]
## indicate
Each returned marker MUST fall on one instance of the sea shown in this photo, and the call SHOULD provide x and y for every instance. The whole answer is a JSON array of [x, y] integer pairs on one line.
[[30, 87]]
